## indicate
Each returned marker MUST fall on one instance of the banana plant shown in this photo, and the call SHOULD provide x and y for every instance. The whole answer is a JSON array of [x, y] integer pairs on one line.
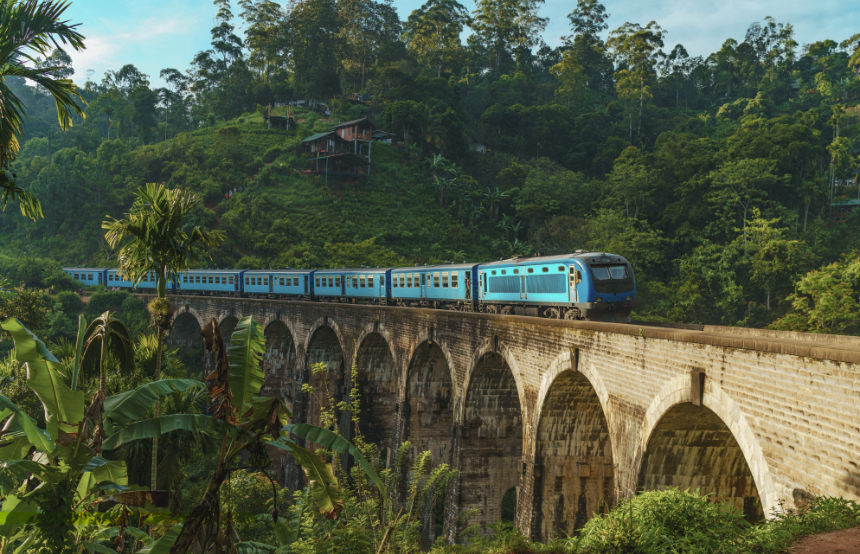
[[244, 423], [53, 478], [50, 479]]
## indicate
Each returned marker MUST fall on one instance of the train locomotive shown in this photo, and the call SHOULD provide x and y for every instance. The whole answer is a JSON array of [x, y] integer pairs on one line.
[[582, 285]]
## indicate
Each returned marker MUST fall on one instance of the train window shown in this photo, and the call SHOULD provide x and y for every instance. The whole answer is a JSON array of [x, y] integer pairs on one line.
[[355, 281], [394, 281], [454, 279], [423, 275], [361, 281], [516, 271], [402, 280], [561, 268], [545, 269], [317, 281], [504, 271], [531, 270], [90, 276], [445, 279], [231, 280], [494, 272], [436, 279], [370, 281], [382, 280], [295, 281], [618, 271], [77, 276]]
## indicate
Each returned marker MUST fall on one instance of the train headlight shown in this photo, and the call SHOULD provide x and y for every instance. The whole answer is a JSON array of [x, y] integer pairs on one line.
[[629, 298], [599, 299]]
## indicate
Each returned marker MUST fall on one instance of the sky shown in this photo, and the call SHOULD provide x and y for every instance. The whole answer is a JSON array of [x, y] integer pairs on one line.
[[156, 34]]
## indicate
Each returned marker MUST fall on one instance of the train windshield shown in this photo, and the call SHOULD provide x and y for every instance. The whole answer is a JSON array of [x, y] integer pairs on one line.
[[612, 278], [603, 272]]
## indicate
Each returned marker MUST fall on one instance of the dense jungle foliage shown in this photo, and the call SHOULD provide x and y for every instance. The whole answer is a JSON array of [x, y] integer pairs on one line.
[[727, 180]]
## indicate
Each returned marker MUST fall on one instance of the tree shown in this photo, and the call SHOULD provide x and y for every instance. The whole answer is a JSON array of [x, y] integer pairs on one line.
[[433, 32], [774, 260], [104, 338], [508, 28], [28, 28], [584, 69], [312, 27], [154, 239], [368, 35], [826, 300], [636, 50]]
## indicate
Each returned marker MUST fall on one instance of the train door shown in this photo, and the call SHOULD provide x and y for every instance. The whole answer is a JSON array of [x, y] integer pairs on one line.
[[523, 291], [342, 285], [573, 281], [271, 283], [423, 285]]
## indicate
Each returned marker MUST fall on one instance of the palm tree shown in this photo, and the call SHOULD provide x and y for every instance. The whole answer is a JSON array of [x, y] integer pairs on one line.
[[28, 29], [155, 237], [105, 336]]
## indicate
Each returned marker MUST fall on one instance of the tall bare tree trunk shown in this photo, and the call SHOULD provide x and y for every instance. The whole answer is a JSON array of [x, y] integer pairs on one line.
[[153, 468]]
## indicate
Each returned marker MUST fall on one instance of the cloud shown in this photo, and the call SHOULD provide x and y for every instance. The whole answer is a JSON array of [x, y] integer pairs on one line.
[[145, 43]]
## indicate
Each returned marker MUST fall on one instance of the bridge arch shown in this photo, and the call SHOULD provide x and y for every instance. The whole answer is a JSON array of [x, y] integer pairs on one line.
[[324, 345], [573, 450], [428, 401], [492, 438], [709, 447], [510, 360], [377, 379], [185, 336], [227, 326], [279, 359]]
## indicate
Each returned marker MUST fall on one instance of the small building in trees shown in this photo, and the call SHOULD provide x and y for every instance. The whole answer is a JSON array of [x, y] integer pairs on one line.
[[342, 152], [279, 116]]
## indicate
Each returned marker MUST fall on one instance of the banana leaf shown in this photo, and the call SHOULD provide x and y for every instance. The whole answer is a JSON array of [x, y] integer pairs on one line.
[[79, 348], [99, 470], [247, 345], [157, 427], [324, 488], [163, 544], [14, 512], [132, 405], [332, 441], [21, 422], [64, 407]]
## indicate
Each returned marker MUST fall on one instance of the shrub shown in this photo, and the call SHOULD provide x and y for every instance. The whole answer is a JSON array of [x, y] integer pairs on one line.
[[664, 521]]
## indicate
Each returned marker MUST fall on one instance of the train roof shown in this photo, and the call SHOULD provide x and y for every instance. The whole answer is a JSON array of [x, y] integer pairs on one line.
[[278, 271], [355, 270], [211, 271], [579, 254], [440, 267], [83, 269]]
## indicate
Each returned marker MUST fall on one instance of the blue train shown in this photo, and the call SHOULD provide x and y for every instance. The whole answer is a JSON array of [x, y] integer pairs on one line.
[[582, 285]]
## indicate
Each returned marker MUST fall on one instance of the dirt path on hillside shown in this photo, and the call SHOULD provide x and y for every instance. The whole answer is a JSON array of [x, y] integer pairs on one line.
[[845, 541]]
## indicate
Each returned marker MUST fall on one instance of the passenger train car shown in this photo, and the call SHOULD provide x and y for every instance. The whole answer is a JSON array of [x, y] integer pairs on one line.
[[582, 285]]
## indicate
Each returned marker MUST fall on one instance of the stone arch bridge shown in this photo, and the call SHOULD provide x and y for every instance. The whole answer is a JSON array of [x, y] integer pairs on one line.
[[551, 421]]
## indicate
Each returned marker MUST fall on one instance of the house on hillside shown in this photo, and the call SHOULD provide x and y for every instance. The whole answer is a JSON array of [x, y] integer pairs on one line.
[[279, 116], [342, 152]]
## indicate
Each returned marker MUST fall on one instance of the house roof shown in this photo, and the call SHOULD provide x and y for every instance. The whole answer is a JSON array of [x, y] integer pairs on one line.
[[318, 136], [353, 122]]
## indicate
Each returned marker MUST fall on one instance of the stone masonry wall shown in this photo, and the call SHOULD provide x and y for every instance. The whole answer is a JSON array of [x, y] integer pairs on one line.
[[786, 404]]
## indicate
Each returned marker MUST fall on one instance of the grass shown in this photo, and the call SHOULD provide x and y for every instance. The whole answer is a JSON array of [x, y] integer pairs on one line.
[[677, 521]]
